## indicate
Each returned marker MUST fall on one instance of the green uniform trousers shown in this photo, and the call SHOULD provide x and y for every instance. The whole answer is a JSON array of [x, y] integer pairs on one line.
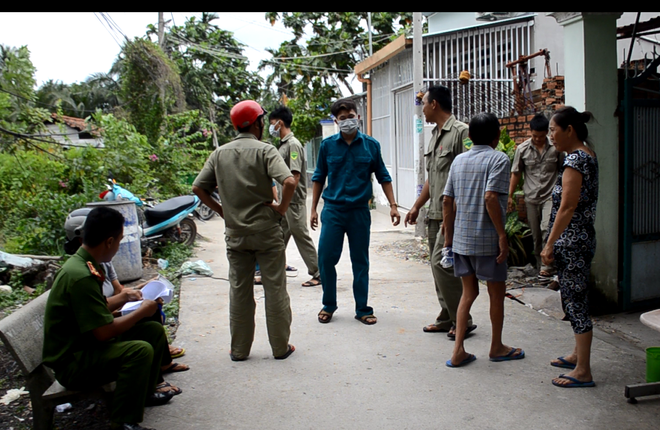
[[243, 252], [295, 224], [448, 287], [132, 359], [538, 215]]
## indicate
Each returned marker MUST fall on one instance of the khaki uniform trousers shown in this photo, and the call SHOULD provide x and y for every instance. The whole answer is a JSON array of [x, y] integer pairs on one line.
[[243, 252], [448, 287], [295, 224], [538, 216]]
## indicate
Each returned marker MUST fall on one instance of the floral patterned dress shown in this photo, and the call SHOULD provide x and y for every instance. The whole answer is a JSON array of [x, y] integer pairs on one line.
[[575, 248]]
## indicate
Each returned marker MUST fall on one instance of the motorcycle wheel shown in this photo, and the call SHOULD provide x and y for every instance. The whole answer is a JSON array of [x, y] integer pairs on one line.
[[188, 232], [205, 212]]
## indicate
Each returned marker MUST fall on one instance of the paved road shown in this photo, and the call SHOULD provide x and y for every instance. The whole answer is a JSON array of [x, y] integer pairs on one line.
[[346, 375]]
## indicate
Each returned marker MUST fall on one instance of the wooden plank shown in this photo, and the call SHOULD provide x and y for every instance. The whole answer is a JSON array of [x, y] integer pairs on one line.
[[382, 55]]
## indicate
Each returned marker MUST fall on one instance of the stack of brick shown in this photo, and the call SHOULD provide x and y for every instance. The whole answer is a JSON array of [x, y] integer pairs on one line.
[[552, 93]]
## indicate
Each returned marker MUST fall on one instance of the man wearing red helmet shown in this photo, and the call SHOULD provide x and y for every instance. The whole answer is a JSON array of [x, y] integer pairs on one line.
[[243, 171]]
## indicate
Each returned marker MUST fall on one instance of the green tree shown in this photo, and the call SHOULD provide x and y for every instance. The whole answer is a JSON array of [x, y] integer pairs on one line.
[[17, 111], [312, 72], [150, 86], [213, 69]]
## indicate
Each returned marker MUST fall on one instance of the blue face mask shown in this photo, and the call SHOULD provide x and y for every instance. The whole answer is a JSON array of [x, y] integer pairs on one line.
[[349, 126]]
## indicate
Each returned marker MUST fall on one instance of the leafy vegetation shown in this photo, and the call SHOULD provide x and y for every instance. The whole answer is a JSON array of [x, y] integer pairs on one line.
[[309, 75]]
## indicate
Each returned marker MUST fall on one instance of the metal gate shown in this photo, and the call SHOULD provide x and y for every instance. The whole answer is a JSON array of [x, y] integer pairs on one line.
[[641, 189], [406, 179]]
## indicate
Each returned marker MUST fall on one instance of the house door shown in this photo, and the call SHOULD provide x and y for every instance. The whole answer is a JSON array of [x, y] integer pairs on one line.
[[404, 110], [641, 189]]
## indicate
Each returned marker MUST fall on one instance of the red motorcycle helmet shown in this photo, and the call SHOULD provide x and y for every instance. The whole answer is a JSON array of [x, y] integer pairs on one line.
[[244, 113]]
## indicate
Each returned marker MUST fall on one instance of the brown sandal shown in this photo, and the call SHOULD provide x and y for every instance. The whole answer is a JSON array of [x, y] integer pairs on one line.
[[175, 367], [324, 317]]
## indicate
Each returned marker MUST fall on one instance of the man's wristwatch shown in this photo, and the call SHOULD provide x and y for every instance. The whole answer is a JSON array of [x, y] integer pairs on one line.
[[394, 204]]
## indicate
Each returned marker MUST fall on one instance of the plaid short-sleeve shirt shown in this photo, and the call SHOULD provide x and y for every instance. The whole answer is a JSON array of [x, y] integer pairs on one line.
[[472, 174]]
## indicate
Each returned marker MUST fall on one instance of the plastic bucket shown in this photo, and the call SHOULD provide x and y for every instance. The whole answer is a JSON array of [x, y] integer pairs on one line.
[[128, 260], [653, 364]]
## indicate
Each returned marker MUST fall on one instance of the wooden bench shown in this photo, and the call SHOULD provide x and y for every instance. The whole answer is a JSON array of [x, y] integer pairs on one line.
[[650, 319], [22, 333]]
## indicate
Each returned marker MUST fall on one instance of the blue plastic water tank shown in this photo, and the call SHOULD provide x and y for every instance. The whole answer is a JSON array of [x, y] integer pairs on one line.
[[128, 260]]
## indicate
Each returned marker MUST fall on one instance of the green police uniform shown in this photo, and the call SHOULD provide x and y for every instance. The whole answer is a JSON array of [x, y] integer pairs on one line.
[[243, 171], [295, 221], [75, 307], [445, 144]]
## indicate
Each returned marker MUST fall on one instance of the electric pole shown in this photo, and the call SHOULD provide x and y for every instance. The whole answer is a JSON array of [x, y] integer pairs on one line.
[[418, 135]]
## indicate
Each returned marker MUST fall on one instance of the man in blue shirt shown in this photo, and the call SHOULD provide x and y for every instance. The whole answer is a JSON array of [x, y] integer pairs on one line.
[[347, 160]]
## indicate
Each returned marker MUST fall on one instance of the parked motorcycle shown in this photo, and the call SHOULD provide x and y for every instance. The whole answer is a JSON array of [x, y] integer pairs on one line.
[[163, 222], [206, 213]]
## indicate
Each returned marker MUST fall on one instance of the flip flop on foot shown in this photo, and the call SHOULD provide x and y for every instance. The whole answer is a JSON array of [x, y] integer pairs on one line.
[[177, 352], [166, 387], [510, 356], [175, 367], [288, 353], [324, 317], [562, 362], [469, 359], [367, 319], [573, 383], [314, 282], [433, 328], [452, 332], [291, 271]]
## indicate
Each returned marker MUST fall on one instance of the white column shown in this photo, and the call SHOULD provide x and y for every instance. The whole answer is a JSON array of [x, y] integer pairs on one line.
[[591, 84]]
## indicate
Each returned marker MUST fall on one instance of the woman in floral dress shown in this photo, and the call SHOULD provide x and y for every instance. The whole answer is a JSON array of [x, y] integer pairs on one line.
[[571, 243]]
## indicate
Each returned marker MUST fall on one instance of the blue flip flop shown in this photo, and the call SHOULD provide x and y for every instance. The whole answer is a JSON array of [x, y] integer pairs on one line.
[[509, 356], [564, 363], [574, 383], [470, 358]]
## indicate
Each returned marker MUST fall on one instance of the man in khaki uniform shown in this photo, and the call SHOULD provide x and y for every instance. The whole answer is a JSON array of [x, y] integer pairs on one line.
[[243, 171], [295, 221], [539, 161], [448, 140]]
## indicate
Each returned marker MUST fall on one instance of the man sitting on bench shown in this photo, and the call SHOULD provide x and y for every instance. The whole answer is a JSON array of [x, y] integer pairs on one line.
[[86, 346]]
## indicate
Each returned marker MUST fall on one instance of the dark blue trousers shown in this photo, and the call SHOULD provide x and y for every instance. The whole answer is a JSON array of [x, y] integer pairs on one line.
[[356, 225]]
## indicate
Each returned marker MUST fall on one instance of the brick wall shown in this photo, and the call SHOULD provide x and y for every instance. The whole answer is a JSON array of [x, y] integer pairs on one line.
[[547, 100]]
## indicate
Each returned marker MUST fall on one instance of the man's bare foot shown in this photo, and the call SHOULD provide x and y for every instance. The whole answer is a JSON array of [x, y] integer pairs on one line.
[[460, 358], [502, 351]]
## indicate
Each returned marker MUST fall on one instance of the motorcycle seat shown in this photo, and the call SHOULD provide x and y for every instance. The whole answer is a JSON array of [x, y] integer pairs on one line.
[[168, 209]]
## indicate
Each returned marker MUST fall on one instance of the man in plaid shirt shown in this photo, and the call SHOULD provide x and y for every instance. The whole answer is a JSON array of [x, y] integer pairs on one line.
[[474, 210]]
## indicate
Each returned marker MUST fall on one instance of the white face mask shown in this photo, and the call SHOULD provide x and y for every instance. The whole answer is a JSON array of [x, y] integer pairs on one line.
[[349, 126], [272, 131]]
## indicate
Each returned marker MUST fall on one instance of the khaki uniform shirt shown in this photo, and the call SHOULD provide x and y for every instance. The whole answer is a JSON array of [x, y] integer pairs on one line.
[[444, 146], [243, 170], [75, 307], [539, 170], [294, 157]]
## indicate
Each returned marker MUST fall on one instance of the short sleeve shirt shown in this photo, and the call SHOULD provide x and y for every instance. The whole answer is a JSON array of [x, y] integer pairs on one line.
[[293, 154], [445, 144], [539, 170], [244, 170], [110, 275], [75, 307], [348, 169], [474, 173]]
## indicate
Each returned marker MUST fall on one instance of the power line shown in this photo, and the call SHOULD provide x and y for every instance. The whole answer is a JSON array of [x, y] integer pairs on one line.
[[107, 29], [308, 67]]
